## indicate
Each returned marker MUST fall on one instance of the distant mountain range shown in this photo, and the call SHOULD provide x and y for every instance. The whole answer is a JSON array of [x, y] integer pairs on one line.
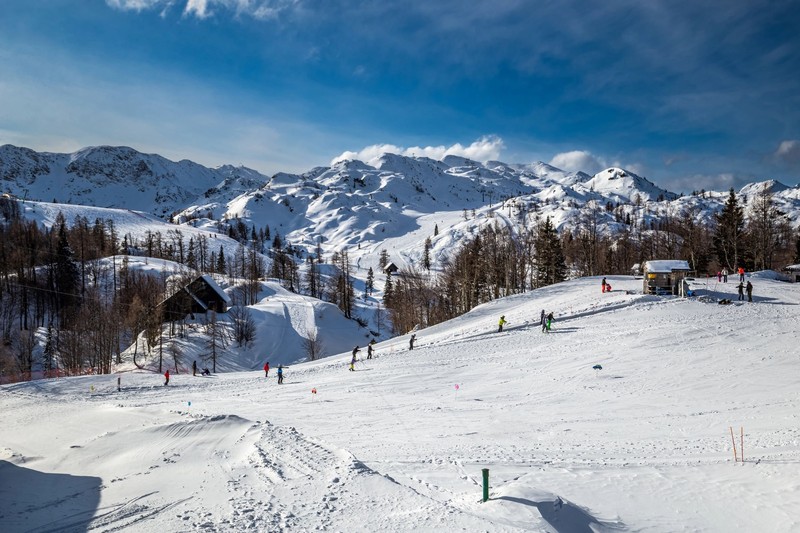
[[351, 202]]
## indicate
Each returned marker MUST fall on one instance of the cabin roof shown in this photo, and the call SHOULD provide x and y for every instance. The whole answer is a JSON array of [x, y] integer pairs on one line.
[[666, 266]]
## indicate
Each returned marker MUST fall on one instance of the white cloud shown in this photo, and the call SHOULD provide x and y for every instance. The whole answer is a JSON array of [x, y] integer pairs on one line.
[[258, 9], [484, 149], [135, 5], [578, 160], [788, 152]]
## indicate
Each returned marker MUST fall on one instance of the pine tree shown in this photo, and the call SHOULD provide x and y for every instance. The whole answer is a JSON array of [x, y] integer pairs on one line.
[[221, 266], [387, 291], [426, 254], [383, 260], [66, 276], [550, 264], [370, 285], [729, 235]]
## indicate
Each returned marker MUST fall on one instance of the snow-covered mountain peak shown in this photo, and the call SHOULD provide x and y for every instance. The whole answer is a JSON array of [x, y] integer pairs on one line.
[[622, 185]]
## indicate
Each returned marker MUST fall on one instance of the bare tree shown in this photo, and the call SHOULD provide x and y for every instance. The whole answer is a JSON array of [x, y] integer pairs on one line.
[[244, 327], [312, 345]]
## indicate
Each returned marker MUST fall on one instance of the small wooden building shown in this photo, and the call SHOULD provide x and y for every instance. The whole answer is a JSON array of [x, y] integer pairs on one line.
[[664, 276], [390, 269], [794, 273], [201, 295]]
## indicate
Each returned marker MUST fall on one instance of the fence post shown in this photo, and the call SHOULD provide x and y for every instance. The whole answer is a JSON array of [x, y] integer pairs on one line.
[[485, 484]]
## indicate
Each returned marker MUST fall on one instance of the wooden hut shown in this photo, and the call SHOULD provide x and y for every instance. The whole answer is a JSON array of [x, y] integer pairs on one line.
[[201, 295], [390, 269], [664, 276], [793, 272]]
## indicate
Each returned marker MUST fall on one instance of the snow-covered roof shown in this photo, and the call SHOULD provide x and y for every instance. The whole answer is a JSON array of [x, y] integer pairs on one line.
[[213, 284], [665, 266], [793, 268]]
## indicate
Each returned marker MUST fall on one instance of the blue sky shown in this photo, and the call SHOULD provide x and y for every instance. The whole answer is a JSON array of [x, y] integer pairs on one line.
[[688, 94]]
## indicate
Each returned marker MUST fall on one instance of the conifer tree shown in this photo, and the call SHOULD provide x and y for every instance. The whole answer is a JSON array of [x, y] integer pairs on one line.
[[550, 264], [426, 254], [370, 285], [729, 234]]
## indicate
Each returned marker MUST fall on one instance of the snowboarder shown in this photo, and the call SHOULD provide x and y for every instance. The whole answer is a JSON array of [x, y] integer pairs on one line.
[[749, 289], [603, 285], [369, 351], [353, 359], [266, 369], [549, 320], [280, 374], [411, 341], [194, 368], [166, 378], [724, 275], [500, 324], [741, 290]]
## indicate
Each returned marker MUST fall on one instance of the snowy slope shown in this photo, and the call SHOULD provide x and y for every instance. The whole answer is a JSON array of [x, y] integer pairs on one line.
[[642, 444]]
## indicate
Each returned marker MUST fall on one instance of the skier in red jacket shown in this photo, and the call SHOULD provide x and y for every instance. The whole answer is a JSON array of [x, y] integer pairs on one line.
[[166, 378], [266, 370]]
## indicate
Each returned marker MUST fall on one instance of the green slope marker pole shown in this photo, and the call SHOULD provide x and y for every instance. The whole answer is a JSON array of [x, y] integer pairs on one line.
[[485, 484]]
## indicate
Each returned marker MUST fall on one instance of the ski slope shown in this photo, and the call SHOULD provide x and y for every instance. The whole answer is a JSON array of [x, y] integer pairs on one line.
[[643, 444]]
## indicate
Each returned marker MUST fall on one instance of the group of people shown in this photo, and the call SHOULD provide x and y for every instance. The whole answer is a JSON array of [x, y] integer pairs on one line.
[[280, 372], [745, 288], [722, 275], [605, 286]]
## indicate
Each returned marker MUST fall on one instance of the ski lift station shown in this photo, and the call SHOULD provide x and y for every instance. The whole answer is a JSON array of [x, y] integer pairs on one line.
[[665, 277]]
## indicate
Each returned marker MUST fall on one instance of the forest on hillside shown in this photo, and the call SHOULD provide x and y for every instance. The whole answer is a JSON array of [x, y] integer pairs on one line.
[[66, 308]]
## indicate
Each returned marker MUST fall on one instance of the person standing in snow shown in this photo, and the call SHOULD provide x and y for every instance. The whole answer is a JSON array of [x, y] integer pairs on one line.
[[549, 320], [194, 368], [741, 274], [266, 369], [725, 275], [741, 290], [749, 289], [353, 360], [500, 324], [369, 351], [603, 285], [166, 378], [411, 341], [280, 374], [541, 319]]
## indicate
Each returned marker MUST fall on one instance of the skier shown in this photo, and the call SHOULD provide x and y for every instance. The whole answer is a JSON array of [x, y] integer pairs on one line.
[[725, 275], [166, 378], [194, 368], [741, 274], [749, 289], [266, 369], [603, 285], [549, 320], [500, 324], [369, 351], [280, 374], [411, 341], [741, 290], [353, 360]]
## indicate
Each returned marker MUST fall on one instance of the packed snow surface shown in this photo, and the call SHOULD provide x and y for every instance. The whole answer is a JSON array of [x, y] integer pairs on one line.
[[642, 443]]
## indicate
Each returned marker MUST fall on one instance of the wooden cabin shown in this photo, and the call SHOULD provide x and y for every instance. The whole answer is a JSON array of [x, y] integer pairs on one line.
[[664, 276], [793, 271], [201, 295], [390, 269]]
